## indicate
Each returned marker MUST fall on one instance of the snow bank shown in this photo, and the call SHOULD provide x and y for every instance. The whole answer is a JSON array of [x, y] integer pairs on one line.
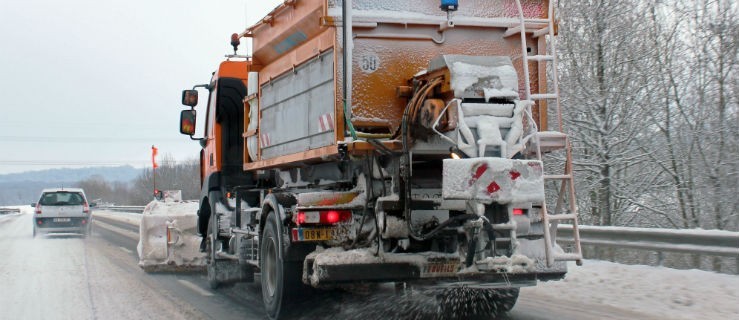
[[183, 249], [23, 210], [663, 292]]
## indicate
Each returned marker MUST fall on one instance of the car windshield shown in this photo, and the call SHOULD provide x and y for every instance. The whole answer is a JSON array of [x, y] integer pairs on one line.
[[61, 198]]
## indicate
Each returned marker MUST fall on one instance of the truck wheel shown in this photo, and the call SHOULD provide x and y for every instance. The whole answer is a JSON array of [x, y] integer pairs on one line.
[[278, 277], [213, 264]]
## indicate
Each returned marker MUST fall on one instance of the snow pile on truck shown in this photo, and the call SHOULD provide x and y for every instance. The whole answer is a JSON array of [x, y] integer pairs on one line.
[[168, 239], [493, 179]]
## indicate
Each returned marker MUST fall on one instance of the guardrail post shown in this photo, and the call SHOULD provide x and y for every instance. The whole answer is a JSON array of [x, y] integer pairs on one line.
[[660, 258]]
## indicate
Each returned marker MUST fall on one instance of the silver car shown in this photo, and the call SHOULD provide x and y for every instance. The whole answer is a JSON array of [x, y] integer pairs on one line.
[[62, 210]]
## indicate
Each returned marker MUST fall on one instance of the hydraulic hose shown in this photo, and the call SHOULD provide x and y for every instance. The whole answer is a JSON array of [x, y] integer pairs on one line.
[[409, 113]]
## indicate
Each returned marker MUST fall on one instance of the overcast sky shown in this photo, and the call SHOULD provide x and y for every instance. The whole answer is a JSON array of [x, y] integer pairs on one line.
[[89, 82]]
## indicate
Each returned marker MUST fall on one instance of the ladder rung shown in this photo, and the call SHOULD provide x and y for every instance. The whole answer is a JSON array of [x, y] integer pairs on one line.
[[557, 217], [567, 257], [542, 96], [541, 32], [541, 58], [558, 176], [512, 31]]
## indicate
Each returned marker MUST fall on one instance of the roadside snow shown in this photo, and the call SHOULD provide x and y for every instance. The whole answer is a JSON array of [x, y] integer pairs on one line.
[[24, 209], [663, 292]]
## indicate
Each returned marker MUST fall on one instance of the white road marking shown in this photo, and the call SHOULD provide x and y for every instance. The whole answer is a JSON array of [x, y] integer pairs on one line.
[[126, 250], [195, 288]]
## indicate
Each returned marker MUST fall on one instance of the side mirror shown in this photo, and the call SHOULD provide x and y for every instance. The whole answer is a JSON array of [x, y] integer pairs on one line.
[[187, 122], [93, 205], [190, 97], [33, 204]]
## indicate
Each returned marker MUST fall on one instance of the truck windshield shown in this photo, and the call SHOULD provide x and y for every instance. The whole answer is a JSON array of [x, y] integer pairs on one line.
[[61, 199]]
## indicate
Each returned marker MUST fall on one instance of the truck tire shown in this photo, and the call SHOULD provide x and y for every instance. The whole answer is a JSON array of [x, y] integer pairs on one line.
[[211, 263], [279, 278]]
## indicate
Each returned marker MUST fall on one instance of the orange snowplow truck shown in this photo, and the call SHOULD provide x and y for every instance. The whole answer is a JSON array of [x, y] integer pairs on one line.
[[386, 141]]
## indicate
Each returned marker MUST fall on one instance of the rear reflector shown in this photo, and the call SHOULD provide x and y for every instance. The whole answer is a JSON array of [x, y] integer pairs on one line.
[[84, 221], [518, 212], [39, 222]]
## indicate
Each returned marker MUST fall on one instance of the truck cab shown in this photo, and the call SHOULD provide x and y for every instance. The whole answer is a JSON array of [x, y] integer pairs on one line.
[[224, 149]]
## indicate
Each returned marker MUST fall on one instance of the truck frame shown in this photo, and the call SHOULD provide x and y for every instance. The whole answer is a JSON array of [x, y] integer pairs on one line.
[[371, 141]]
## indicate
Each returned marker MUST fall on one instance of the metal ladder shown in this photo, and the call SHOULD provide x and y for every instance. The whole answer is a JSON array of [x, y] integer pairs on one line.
[[556, 140]]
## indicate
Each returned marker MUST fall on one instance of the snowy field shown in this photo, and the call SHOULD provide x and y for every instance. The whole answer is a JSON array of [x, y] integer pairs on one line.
[[663, 292]]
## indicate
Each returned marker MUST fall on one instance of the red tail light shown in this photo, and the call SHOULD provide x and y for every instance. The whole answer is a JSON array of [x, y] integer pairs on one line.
[[332, 217], [322, 217], [518, 212], [85, 207], [300, 218], [38, 208]]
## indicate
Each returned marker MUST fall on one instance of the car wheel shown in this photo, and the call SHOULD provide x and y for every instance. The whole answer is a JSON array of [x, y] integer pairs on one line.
[[34, 231]]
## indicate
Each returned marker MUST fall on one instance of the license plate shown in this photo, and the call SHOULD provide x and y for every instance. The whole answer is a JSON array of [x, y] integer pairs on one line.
[[62, 220], [440, 268], [319, 234]]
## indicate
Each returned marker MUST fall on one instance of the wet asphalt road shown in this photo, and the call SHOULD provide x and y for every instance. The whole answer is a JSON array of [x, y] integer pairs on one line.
[[72, 277]]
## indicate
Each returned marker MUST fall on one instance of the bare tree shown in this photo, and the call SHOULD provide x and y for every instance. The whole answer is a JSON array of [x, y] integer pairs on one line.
[[650, 94], [170, 175], [603, 78]]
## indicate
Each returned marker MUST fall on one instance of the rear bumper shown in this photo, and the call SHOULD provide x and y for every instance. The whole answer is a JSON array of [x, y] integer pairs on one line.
[[48, 225], [336, 267], [393, 272]]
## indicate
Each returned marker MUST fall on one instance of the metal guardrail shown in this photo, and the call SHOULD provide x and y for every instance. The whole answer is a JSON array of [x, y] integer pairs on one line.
[[126, 225], [133, 209], [722, 245], [715, 243]]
